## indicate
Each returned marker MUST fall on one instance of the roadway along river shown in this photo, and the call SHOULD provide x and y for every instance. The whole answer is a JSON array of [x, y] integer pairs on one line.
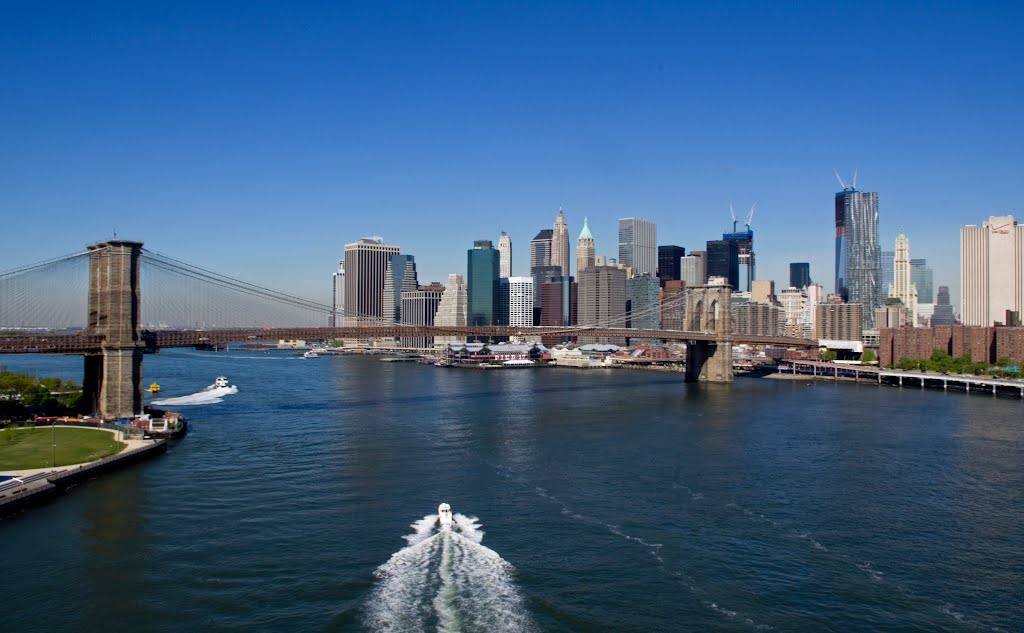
[[590, 501]]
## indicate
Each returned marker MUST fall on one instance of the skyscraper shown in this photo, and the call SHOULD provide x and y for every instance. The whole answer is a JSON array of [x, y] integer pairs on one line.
[[558, 308], [902, 288], [452, 309], [921, 277], [338, 296], [602, 300], [584, 249], [505, 253], [991, 271], [638, 245], [643, 297], [669, 268], [560, 244], [516, 301], [366, 262], [723, 260], [482, 268], [693, 268], [399, 277], [858, 255], [943, 314], [799, 275], [419, 307], [540, 249], [888, 259]]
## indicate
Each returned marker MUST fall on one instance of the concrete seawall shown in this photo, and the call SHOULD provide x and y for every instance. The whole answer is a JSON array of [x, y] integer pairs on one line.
[[28, 491]]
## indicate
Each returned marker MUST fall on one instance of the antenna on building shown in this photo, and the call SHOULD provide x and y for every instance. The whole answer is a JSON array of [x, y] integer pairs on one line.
[[750, 216]]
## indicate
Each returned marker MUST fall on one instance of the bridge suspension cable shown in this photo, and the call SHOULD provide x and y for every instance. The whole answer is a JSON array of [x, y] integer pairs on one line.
[[50, 294]]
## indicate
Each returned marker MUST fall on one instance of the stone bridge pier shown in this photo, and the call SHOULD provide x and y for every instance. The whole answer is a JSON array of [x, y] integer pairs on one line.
[[707, 310], [113, 378]]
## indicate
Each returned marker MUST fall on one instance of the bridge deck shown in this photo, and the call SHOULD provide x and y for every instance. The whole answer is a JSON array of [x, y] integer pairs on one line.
[[155, 339]]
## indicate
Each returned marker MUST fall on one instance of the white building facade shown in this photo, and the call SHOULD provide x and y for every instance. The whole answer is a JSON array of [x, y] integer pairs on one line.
[[902, 288], [991, 270], [638, 245], [453, 308], [504, 255]]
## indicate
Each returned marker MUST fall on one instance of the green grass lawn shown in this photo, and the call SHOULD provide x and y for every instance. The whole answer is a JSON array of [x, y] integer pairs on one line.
[[21, 449]]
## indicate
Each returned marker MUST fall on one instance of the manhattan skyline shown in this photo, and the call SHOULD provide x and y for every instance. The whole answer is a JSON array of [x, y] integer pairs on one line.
[[219, 134]]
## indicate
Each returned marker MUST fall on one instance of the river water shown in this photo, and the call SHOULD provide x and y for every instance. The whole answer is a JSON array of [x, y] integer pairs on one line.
[[599, 500]]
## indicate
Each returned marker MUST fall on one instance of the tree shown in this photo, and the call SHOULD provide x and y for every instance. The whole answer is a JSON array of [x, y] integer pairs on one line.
[[906, 363], [868, 356]]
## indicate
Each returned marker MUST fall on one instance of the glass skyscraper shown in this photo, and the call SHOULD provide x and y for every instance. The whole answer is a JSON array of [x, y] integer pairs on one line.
[[638, 245], [482, 268], [858, 255], [723, 260]]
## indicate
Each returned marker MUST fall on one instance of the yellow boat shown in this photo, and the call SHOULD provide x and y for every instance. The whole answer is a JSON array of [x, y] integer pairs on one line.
[[154, 388]]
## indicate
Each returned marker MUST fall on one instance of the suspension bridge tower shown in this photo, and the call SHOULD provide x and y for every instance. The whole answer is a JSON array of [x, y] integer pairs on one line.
[[708, 312], [113, 378]]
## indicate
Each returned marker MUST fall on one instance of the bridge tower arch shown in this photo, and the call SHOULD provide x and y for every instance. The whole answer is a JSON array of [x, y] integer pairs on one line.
[[113, 378], [709, 361]]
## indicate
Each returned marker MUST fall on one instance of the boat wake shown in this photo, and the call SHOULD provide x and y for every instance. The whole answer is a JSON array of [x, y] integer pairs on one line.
[[445, 580], [210, 395]]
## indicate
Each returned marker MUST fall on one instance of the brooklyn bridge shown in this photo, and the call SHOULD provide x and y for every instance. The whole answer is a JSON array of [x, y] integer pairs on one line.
[[91, 303]]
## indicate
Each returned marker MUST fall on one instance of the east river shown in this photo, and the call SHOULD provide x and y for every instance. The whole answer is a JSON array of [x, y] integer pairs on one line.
[[597, 500]]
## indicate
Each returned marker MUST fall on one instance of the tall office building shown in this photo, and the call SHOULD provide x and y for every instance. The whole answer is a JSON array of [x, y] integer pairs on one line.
[[793, 301], [858, 255], [991, 271], [560, 244], [902, 288], [921, 277], [366, 262], [693, 268], [643, 302], [888, 259], [673, 305], [515, 296], [482, 268], [540, 259], [943, 312], [337, 296], [584, 249], [638, 245], [399, 277], [452, 310], [745, 247], [540, 249], [559, 300], [723, 260], [505, 254], [799, 275], [419, 307], [602, 300], [669, 268]]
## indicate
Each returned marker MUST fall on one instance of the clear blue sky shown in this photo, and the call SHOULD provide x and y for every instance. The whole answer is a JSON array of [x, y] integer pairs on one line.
[[257, 138]]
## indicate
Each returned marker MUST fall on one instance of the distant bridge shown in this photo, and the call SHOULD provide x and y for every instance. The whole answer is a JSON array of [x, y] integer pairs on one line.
[[114, 343]]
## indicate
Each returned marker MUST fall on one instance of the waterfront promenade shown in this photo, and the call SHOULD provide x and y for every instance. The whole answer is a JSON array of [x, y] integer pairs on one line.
[[911, 379]]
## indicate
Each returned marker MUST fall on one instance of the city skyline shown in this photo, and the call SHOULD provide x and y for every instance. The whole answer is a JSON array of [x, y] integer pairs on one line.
[[212, 142]]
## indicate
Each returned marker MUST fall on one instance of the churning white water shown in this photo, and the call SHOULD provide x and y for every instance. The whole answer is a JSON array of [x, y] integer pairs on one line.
[[446, 581], [210, 395]]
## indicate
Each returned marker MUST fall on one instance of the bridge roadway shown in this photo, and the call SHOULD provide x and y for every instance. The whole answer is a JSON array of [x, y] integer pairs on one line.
[[155, 339]]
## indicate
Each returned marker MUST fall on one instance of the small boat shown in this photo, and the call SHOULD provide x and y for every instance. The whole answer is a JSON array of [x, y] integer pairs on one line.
[[444, 515], [310, 354], [154, 388], [220, 381]]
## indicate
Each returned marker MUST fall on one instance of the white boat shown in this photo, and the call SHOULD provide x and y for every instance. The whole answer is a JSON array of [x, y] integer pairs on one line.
[[444, 515], [220, 381], [310, 354]]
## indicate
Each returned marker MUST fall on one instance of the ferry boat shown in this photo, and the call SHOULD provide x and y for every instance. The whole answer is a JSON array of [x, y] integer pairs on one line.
[[154, 388], [162, 423]]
